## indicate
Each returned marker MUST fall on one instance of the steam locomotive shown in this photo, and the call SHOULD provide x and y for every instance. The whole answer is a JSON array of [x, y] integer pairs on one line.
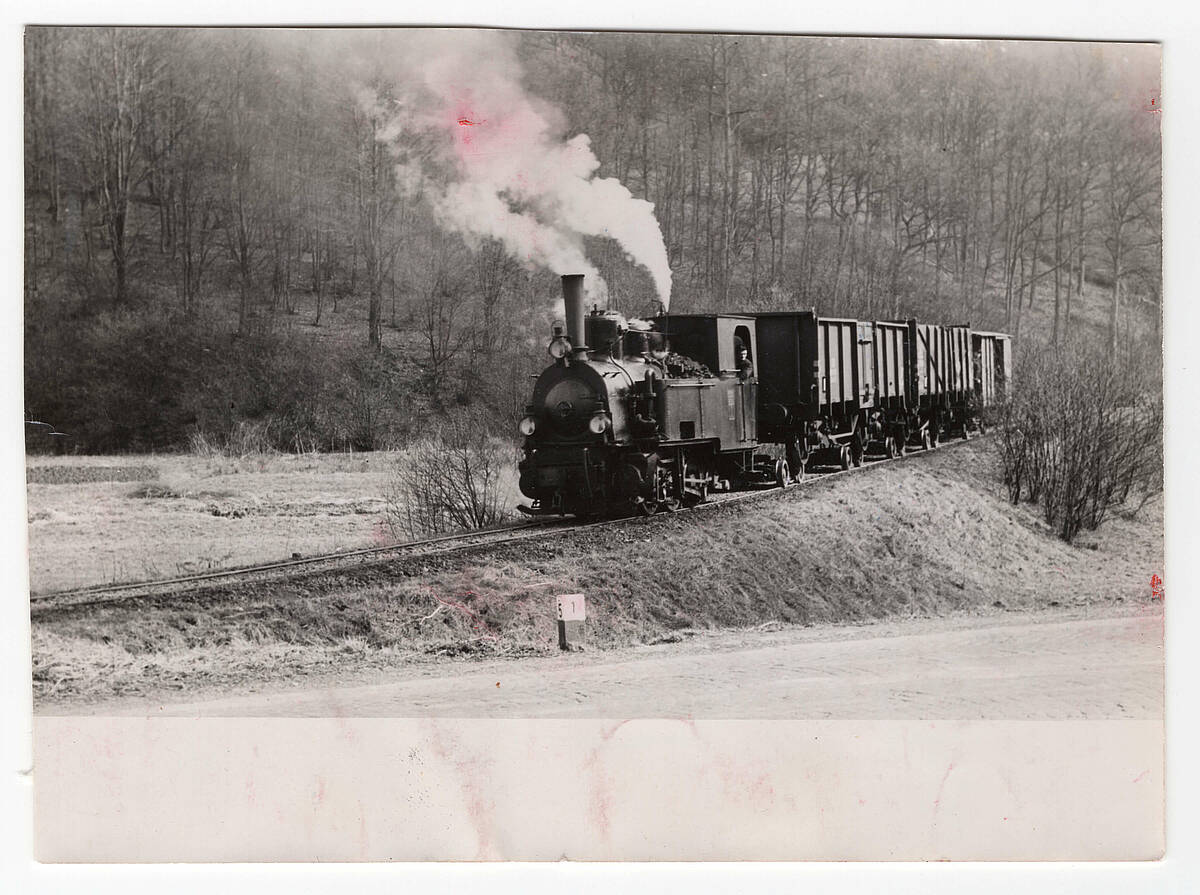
[[653, 415]]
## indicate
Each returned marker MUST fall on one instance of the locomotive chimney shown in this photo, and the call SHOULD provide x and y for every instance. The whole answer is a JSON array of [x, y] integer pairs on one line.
[[572, 287]]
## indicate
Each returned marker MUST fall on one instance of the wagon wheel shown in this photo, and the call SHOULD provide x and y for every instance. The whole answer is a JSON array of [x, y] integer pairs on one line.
[[783, 476], [795, 459], [857, 450]]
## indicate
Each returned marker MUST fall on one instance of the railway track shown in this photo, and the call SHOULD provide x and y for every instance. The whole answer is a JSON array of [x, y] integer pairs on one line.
[[443, 544]]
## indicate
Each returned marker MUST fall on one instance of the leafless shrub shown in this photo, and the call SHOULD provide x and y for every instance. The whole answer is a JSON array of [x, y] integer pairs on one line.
[[243, 439], [1083, 435], [450, 480]]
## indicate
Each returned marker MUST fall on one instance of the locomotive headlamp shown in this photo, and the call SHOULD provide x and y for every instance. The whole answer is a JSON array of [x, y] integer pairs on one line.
[[559, 348], [599, 423], [527, 426]]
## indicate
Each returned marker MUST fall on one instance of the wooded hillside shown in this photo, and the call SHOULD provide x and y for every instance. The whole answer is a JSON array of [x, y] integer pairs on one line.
[[246, 237]]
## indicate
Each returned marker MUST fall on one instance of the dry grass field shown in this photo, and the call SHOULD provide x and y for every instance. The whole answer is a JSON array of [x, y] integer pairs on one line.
[[933, 537], [173, 515]]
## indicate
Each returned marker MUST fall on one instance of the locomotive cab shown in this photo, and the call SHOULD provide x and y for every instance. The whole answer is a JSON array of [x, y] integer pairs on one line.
[[720, 407]]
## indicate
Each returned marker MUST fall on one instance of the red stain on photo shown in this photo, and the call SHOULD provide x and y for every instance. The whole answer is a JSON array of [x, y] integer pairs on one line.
[[1156, 588], [381, 534], [937, 802], [477, 624]]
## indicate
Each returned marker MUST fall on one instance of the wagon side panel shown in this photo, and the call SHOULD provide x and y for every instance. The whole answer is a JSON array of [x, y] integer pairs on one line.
[[889, 367]]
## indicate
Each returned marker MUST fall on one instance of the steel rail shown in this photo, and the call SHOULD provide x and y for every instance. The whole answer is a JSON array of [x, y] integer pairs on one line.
[[285, 564], [442, 544]]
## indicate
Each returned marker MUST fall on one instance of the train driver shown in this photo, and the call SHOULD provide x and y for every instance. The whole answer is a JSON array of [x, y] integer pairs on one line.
[[745, 367]]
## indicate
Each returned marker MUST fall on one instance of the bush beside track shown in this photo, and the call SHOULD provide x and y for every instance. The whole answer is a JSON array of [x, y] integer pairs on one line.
[[933, 536]]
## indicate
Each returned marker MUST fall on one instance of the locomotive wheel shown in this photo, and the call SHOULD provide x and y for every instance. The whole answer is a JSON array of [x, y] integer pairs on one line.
[[683, 473], [668, 499], [647, 507], [671, 491], [783, 476], [798, 470]]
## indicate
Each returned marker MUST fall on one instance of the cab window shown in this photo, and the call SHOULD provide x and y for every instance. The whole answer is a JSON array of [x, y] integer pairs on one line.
[[743, 351]]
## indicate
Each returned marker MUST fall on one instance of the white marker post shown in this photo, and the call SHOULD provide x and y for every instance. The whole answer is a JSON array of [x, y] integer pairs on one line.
[[572, 612]]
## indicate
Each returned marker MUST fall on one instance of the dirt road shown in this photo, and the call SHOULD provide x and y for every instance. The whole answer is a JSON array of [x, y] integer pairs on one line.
[[1015, 668]]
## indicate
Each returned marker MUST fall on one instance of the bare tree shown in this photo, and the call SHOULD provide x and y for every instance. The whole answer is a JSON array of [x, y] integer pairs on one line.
[[440, 311], [121, 67], [245, 203], [376, 200], [182, 161], [1128, 184]]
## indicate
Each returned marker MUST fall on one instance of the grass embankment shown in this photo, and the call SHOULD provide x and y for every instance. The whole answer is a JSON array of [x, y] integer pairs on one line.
[[929, 537]]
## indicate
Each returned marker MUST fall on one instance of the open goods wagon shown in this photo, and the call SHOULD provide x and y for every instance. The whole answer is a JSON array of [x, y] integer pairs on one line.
[[992, 358], [816, 384], [941, 379]]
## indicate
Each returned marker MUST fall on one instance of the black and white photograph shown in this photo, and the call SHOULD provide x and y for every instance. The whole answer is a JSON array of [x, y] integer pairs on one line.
[[495, 444]]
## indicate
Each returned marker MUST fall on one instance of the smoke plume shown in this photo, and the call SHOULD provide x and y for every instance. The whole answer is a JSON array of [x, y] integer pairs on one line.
[[504, 171]]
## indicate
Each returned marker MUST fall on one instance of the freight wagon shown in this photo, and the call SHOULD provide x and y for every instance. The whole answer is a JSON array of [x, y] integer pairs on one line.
[[991, 354], [816, 385]]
